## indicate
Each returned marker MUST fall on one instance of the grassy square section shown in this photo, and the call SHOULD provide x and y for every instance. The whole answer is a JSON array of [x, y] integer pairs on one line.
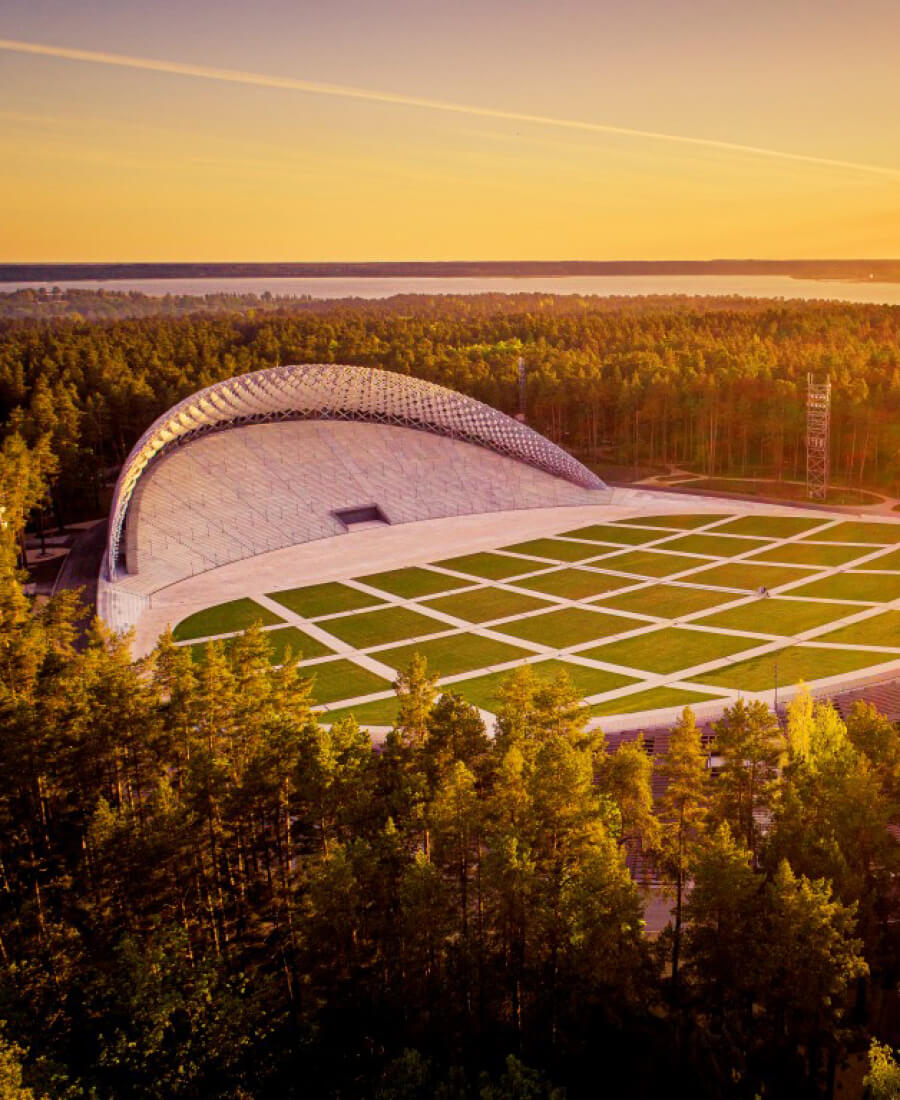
[[609, 532], [714, 546], [301, 645], [653, 699], [389, 624], [492, 567], [224, 618], [747, 575], [884, 534], [379, 712], [669, 649], [481, 605], [776, 617], [889, 562], [881, 630], [484, 691], [574, 584], [454, 654], [665, 601], [342, 679], [811, 553], [770, 527], [677, 523], [555, 549], [794, 664], [648, 563], [410, 583], [567, 627], [323, 599], [868, 587]]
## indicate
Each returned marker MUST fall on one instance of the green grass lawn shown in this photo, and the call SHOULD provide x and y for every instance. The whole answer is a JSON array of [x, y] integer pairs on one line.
[[881, 629], [608, 532], [567, 627], [390, 624], [795, 664], [481, 605], [860, 531], [555, 549], [224, 618], [492, 567], [787, 491], [573, 584], [647, 563], [669, 649], [302, 647], [677, 523], [747, 575], [810, 553], [413, 582], [653, 699], [483, 691], [715, 546], [870, 587], [342, 679], [380, 712], [769, 527], [666, 601], [323, 599], [454, 654], [777, 617], [888, 561]]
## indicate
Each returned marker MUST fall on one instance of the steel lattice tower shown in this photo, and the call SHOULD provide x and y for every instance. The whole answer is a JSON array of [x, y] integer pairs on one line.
[[818, 436]]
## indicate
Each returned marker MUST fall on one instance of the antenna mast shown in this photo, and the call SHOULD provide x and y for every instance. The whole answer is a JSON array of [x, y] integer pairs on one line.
[[818, 436]]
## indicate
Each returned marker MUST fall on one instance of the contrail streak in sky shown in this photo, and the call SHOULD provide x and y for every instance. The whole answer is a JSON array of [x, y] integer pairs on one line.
[[343, 91]]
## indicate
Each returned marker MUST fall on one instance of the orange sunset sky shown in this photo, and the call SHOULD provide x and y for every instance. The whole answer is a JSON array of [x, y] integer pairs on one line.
[[411, 129]]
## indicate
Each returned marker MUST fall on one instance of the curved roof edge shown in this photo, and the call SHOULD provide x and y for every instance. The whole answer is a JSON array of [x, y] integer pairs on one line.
[[335, 392]]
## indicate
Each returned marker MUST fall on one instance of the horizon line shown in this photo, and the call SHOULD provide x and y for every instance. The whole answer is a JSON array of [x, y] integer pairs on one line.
[[510, 262]]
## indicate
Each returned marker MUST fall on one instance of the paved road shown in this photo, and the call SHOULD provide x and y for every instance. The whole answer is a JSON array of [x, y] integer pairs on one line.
[[82, 565]]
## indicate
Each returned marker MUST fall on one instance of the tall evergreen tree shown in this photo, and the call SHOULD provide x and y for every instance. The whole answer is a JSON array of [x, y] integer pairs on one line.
[[751, 744], [682, 807]]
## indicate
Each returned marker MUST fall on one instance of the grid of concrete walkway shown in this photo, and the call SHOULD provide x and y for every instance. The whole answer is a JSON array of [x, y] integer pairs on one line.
[[701, 542]]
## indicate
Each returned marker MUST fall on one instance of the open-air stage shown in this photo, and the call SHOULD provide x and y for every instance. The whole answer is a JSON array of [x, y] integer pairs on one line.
[[363, 517]]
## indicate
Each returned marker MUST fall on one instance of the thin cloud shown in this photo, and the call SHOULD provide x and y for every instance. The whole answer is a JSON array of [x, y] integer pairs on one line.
[[343, 91]]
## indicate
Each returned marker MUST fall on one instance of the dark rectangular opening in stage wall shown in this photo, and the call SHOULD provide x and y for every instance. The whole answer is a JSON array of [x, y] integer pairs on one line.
[[367, 513]]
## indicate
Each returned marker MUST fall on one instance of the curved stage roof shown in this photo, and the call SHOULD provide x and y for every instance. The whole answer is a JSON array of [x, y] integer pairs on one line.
[[333, 392]]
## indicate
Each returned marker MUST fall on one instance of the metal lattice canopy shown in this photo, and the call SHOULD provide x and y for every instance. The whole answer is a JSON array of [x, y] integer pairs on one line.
[[331, 392]]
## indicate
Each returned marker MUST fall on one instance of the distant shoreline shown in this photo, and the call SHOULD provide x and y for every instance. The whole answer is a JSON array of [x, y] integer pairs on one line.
[[823, 270]]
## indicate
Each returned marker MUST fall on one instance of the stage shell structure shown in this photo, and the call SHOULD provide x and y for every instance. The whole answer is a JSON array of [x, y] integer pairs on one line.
[[290, 454]]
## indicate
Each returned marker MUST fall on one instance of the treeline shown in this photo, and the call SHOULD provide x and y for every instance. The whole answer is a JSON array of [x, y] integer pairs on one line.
[[78, 304], [811, 269], [206, 892], [713, 384]]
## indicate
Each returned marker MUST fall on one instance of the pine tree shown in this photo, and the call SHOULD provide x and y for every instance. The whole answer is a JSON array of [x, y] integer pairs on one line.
[[416, 691], [682, 809], [751, 744], [882, 1082], [625, 778], [456, 734]]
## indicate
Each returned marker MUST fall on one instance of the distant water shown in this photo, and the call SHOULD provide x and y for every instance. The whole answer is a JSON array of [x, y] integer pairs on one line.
[[745, 286]]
